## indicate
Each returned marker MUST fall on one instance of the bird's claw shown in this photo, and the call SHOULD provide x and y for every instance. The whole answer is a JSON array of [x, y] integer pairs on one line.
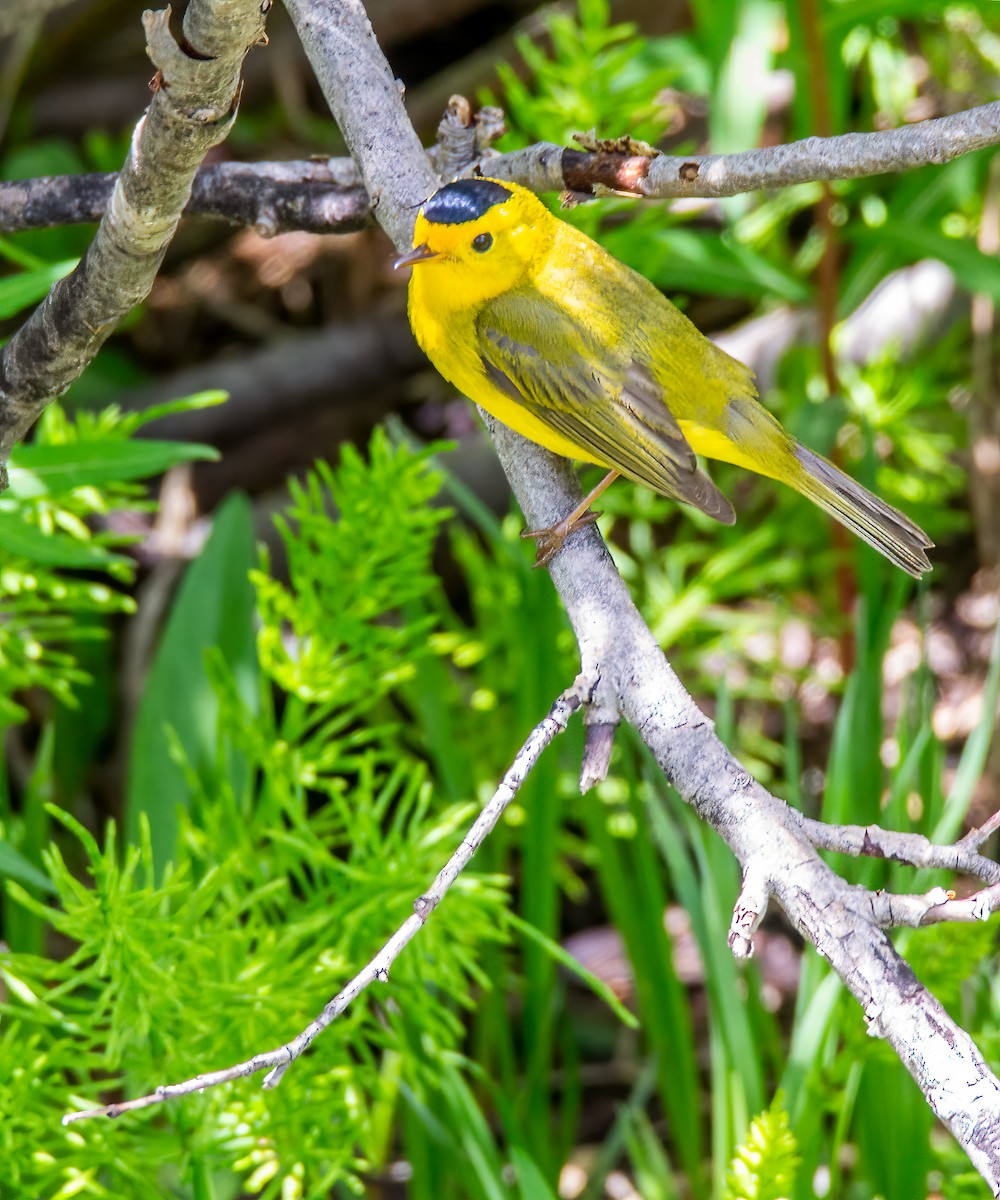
[[550, 540]]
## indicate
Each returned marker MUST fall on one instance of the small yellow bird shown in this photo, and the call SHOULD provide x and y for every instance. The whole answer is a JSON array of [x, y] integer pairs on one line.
[[537, 323]]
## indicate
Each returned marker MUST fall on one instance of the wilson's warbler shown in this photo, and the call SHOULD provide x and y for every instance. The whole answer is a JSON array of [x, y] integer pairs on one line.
[[569, 347]]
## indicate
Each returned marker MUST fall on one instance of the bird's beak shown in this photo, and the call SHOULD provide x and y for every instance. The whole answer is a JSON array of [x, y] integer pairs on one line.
[[417, 254]]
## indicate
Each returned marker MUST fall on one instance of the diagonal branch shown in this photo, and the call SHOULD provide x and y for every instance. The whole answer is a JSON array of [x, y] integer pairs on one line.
[[197, 86], [765, 835], [630, 675], [276, 1062]]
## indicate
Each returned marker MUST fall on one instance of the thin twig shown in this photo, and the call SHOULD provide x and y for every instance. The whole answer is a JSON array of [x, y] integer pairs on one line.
[[976, 837], [890, 910], [276, 1062], [912, 848]]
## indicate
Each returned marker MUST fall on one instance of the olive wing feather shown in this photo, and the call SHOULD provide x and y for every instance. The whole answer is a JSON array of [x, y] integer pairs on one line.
[[597, 397]]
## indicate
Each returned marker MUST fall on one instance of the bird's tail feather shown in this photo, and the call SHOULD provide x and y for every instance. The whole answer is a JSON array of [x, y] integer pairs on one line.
[[874, 521]]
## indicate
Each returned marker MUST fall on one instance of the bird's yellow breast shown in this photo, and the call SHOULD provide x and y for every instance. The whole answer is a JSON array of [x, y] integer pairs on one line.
[[444, 324]]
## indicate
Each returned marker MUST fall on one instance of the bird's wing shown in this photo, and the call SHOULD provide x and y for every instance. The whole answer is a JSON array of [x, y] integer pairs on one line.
[[599, 398]]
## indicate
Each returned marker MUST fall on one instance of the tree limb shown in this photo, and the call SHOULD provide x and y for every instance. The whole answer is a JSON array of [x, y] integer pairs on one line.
[[273, 197], [546, 167], [913, 848], [620, 654], [629, 675], [276, 1062], [323, 196], [197, 85], [936, 906]]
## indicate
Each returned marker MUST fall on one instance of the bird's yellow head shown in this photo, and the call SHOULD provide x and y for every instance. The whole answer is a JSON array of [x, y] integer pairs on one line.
[[477, 238]]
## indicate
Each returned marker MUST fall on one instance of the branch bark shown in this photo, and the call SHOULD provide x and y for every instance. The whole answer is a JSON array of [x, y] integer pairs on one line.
[[767, 837], [912, 848], [323, 197], [273, 197], [197, 86], [547, 167]]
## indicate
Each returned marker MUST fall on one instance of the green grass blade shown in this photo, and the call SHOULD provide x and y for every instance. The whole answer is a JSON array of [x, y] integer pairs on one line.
[[214, 607], [575, 967], [974, 754], [50, 469]]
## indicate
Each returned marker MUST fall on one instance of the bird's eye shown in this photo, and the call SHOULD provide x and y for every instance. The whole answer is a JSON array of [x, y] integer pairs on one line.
[[482, 242]]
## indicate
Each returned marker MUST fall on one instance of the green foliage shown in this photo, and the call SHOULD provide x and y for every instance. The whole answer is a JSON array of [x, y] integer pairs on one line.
[[291, 871], [598, 76], [29, 285], [214, 608], [61, 486], [165, 979], [764, 1166], [285, 878], [346, 576]]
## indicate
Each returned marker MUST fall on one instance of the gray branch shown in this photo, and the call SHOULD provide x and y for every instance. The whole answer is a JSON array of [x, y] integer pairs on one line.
[[326, 197], [362, 93], [197, 86], [547, 167], [273, 197], [911, 848], [627, 671], [619, 652], [889, 909]]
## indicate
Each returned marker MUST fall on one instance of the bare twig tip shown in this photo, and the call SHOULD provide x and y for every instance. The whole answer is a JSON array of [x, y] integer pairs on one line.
[[599, 740]]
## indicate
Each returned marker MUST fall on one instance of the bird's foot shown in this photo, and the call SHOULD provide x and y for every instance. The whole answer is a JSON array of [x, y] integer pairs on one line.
[[550, 540]]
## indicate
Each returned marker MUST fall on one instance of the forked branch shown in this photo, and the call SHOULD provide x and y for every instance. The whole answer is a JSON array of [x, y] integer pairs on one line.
[[633, 679]]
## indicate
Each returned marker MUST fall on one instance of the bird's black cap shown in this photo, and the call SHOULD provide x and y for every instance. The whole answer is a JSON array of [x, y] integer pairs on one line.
[[464, 200]]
